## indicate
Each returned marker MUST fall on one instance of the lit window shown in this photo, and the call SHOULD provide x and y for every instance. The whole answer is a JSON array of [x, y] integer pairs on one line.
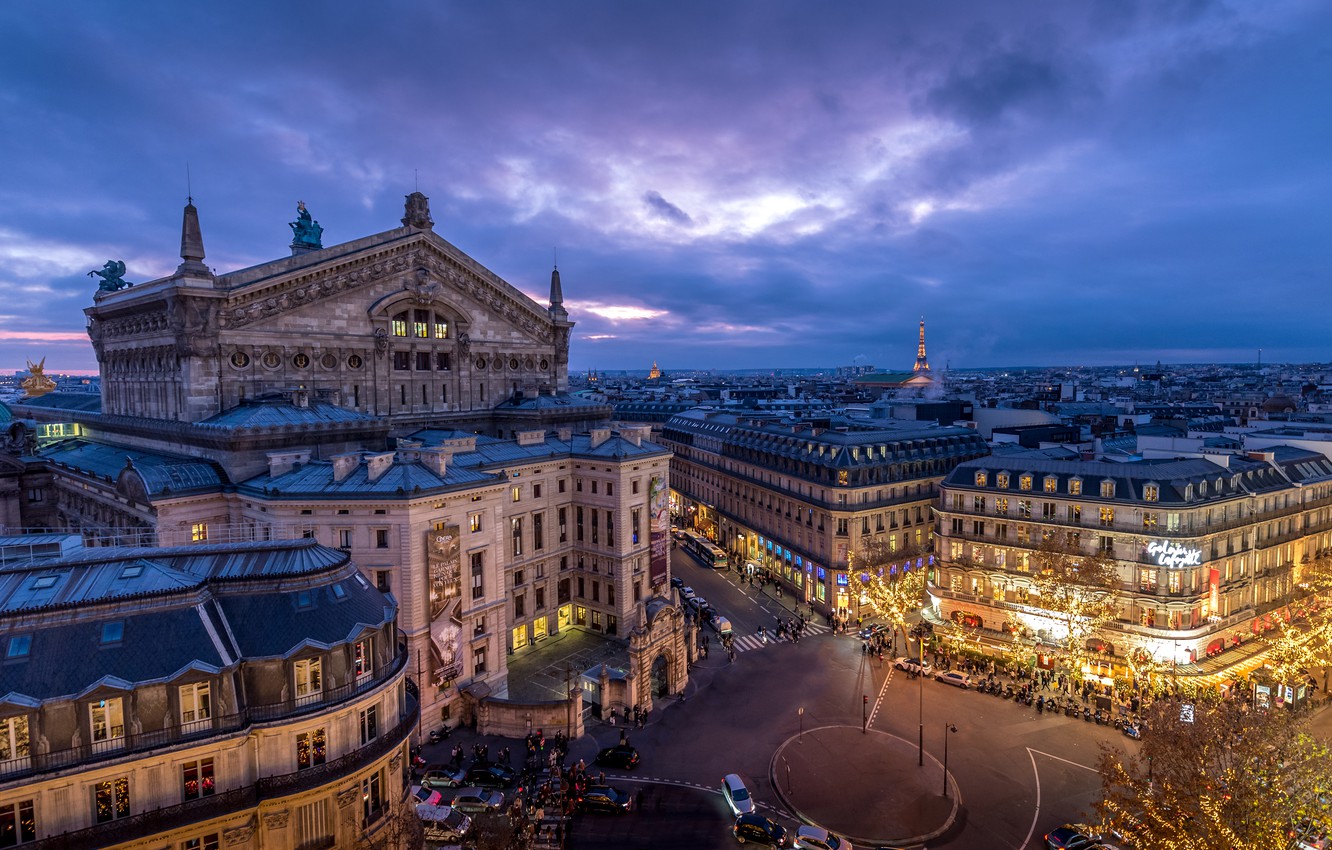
[[107, 718], [369, 724], [196, 779], [981, 479], [1075, 487], [111, 799], [196, 703], [1107, 489], [18, 823], [1024, 483], [311, 749], [475, 522], [1107, 517], [1051, 484], [400, 324], [363, 657], [1151, 492], [309, 680], [199, 532], [13, 746], [1001, 480]]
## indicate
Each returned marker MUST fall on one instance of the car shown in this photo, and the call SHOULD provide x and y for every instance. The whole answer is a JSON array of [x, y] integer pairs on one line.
[[952, 677], [736, 794], [486, 775], [473, 800], [911, 665], [686, 593], [605, 798], [442, 776], [678, 534], [759, 829], [871, 630], [429, 796], [818, 838], [622, 756], [1067, 838], [442, 823], [676, 581], [721, 624]]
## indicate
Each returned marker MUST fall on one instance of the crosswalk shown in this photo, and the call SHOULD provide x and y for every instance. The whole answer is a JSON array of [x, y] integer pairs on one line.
[[745, 643]]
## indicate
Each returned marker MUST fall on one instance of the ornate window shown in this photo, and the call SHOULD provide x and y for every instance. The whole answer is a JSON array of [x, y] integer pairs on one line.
[[1051, 484], [1107, 489], [981, 478], [1001, 480], [1075, 486], [1024, 482], [1151, 492]]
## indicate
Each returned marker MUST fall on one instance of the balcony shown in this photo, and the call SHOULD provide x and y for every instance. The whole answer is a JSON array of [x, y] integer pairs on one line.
[[197, 730], [225, 803]]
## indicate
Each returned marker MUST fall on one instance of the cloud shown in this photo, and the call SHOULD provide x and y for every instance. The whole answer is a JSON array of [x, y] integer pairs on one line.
[[664, 209]]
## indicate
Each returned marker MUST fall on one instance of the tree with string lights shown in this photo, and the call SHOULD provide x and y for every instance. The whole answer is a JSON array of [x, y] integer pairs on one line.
[[1078, 591], [1212, 773], [893, 594]]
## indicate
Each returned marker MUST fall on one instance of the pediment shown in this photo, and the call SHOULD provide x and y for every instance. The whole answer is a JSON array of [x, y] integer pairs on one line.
[[423, 268]]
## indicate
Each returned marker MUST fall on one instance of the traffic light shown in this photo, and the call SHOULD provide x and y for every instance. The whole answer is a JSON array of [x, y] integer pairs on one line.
[[864, 699]]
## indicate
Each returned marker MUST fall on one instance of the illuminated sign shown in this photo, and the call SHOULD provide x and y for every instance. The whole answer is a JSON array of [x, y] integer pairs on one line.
[[1169, 554]]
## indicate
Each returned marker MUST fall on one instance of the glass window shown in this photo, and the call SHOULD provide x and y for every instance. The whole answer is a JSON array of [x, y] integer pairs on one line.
[[474, 522], [108, 721], [311, 748], [196, 779], [309, 680], [981, 478], [195, 702], [1024, 483], [363, 657], [1051, 484], [111, 799], [1151, 492], [1107, 489], [211, 841], [1107, 516], [369, 724], [13, 740], [199, 532], [1002, 479], [400, 324], [18, 823], [19, 645], [1075, 487]]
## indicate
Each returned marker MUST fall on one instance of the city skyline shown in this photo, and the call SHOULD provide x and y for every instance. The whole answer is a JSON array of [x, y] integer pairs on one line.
[[739, 186]]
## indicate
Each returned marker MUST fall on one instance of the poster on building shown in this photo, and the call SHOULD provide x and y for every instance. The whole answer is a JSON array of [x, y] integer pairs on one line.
[[658, 531], [443, 590]]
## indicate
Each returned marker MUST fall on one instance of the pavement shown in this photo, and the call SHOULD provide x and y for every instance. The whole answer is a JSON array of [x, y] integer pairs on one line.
[[867, 786]]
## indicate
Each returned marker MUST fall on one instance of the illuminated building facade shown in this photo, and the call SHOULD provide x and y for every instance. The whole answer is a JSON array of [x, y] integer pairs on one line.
[[239, 696], [1207, 554], [801, 497]]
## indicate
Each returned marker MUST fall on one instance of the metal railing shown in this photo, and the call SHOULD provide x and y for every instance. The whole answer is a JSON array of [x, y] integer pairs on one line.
[[227, 724], [219, 805]]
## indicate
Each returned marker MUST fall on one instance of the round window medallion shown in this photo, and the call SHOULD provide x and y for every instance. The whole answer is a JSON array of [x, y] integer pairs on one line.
[[328, 361], [271, 359], [545, 364], [301, 360], [513, 364], [527, 365], [354, 361], [480, 362], [497, 364], [240, 359]]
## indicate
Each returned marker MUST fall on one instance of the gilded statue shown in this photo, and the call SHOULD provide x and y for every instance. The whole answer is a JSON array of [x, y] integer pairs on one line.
[[112, 275], [37, 383]]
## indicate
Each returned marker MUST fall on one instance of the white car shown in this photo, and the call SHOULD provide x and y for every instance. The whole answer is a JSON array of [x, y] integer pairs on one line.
[[737, 795], [818, 838], [911, 665], [954, 678]]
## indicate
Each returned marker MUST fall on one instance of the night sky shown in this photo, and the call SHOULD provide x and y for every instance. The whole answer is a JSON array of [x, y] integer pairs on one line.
[[727, 184]]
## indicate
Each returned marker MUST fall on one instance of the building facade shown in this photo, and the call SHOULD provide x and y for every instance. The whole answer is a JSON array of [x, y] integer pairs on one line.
[[239, 696], [1208, 555], [802, 497]]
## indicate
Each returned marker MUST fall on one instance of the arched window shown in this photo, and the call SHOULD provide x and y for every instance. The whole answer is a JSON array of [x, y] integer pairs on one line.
[[424, 324]]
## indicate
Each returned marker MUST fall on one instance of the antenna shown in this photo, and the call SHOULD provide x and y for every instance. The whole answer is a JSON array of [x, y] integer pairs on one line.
[[555, 256], [416, 177], [189, 192]]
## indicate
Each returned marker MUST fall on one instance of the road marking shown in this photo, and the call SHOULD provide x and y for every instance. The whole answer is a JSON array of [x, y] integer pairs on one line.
[[1065, 761], [882, 690], [1031, 754]]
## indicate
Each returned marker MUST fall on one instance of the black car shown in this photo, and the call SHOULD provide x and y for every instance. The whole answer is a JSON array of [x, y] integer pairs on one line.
[[623, 757], [676, 581], [490, 776], [760, 830], [604, 798]]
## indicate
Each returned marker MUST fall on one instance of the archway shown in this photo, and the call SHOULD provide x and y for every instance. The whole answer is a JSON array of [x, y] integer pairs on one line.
[[661, 677]]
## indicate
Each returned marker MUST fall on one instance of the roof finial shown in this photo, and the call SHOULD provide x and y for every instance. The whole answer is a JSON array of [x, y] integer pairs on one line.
[[191, 242]]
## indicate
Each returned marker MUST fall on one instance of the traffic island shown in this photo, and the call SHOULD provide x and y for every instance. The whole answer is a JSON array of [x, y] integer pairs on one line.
[[866, 786]]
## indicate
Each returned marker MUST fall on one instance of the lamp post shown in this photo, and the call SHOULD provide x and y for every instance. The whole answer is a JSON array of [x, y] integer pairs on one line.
[[948, 730], [801, 712]]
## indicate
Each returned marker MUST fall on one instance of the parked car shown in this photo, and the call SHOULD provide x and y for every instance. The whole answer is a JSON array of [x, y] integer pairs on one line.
[[818, 838], [686, 593], [429, 796], [760, 830], [1067, 838], [622, 756], [736, 794], [676, 581], [952, 677], [490, 776], [605, 798], [473, 800], [721, 624], [443, 776], [698, 603], [442, 823], [871, 630], [911, 665]]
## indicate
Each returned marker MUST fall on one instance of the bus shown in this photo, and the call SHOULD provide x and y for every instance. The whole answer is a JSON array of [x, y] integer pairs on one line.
[[704, 549]]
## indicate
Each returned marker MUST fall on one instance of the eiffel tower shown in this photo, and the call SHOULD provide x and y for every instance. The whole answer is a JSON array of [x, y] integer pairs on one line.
[[922, 365]]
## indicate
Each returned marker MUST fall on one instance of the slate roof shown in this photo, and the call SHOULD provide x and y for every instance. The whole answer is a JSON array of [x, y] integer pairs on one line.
[[549, 402], [281, 413], [199, 607], [162, 473], [83, 402]]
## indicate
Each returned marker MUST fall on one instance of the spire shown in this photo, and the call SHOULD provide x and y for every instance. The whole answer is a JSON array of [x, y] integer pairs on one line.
[[557, 310], [191, 244], [922, 365]]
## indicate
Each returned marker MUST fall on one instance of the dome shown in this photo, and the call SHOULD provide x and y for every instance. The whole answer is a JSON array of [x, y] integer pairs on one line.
[[1281, 403]]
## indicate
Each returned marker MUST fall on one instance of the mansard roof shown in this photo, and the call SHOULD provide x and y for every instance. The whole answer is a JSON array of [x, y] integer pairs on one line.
[[161, 473], [219, 603], [280, 412]]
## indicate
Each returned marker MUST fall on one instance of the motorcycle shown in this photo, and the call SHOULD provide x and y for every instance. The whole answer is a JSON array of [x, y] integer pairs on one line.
[[1132, 731], [1040, 705], [1086, 714], [437, 735], [1071, 710]]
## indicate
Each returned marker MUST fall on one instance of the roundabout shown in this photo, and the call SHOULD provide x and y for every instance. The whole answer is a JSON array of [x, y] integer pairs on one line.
[[867, 786]]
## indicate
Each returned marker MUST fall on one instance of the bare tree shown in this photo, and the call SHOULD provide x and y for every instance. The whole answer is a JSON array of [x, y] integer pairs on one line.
[[1079, 590], [398, 828], [893, 595], [1213, 774]]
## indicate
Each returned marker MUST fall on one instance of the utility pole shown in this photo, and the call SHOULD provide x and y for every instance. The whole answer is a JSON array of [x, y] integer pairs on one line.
[[568, 700]]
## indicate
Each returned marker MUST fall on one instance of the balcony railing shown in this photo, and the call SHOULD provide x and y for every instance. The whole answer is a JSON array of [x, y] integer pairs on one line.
[[197, 730], [238, 799]]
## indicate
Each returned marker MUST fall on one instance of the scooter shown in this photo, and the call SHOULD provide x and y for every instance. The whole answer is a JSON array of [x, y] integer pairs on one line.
[[1133, 731], [1070, 710], [1086, 714], [1040, 705]]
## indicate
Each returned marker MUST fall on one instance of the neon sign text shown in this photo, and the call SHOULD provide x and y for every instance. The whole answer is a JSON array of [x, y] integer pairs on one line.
[[1169, 554]]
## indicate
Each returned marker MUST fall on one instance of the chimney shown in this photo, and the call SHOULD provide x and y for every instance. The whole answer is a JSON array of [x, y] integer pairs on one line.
[[435, 460], [344, 465], [531, 438], [634, 435], [564, 434], [280, 463], [1261, 457], [377, 464], [598, 436]]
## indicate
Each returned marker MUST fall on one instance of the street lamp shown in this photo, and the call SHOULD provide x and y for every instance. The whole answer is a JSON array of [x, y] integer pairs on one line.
[[948, 730], [801, 712]]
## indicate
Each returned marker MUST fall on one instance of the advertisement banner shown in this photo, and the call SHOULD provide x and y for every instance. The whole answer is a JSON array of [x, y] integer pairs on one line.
[[659, 527], [443, 590]]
